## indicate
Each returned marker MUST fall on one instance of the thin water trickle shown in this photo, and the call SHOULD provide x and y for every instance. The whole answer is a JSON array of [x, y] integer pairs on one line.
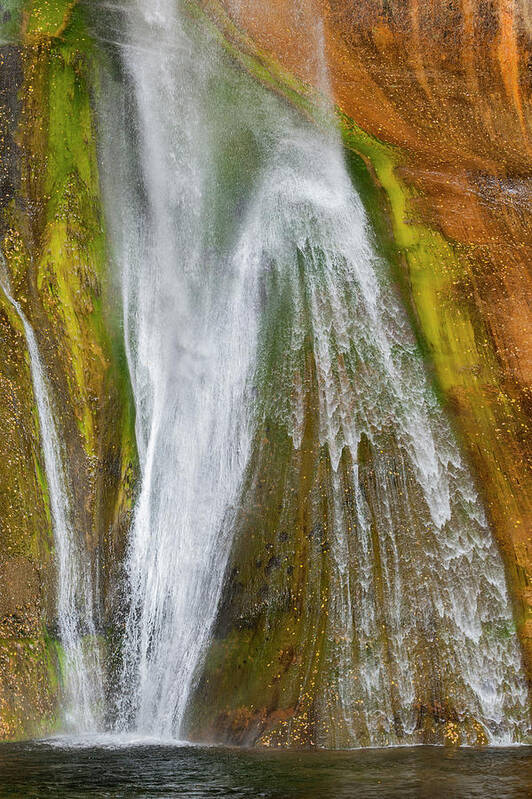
[[81, 665]]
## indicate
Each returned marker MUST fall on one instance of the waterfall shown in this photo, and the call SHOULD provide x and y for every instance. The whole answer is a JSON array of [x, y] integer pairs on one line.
[[252, 291], [398, 493], [81, 667], [190, 325]]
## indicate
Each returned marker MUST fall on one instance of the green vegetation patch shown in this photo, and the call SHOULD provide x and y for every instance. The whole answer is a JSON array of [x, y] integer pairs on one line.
[[49, 17]]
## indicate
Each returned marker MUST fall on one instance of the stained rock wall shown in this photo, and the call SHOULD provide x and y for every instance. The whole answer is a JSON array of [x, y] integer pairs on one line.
[[435, 98], [447, 88], [53, 241]]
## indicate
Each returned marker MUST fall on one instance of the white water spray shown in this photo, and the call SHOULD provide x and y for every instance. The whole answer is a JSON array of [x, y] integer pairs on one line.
[[199, 282], [190, 322]]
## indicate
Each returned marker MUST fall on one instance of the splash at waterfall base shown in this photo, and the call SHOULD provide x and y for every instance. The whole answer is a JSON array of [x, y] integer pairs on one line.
[[257, 621]]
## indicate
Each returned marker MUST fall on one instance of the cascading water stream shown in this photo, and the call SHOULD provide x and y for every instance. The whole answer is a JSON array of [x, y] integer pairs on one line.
[[190, 325], [439, 588], [81, 667], [245, 255]]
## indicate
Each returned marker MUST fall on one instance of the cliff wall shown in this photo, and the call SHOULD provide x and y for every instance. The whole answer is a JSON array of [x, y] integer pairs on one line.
[[53, 242], [435, 98]]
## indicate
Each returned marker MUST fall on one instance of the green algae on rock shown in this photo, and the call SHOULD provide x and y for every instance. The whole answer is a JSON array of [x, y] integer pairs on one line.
[[54, 245], [269, 674], [438, 285]]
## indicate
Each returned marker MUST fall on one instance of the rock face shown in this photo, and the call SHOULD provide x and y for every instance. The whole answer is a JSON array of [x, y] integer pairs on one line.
[[441, 123], [447, 87], [53, 243], [435, 97]]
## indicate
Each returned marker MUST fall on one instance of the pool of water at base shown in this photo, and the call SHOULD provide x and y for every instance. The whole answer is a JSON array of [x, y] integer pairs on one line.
[[66, 769]]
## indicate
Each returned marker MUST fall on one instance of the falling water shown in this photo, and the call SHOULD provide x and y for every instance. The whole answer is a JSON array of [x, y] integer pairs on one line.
[[190, 322], [245, 255], [81, 668], [410, 553]]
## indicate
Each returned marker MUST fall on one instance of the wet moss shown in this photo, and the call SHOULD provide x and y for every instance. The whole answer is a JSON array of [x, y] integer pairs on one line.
[[53, 238], [10, 20], [28, 688], [48, 17], [435, 277]]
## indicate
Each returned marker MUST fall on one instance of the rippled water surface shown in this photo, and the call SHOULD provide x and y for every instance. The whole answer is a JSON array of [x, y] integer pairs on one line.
[[75, 771]]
